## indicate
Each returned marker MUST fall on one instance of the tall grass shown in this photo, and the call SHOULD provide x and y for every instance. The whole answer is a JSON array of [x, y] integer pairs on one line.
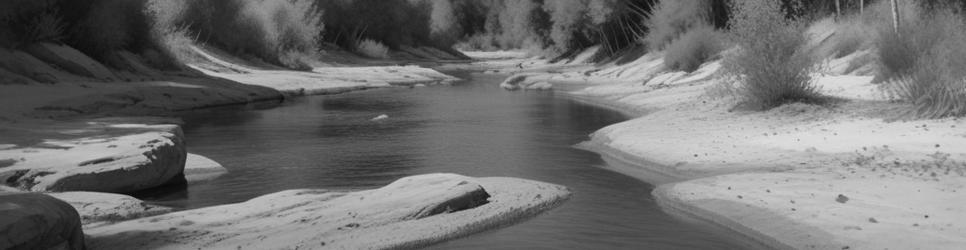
[[772, 62], [926, 62], [671, 18], [695, 47]]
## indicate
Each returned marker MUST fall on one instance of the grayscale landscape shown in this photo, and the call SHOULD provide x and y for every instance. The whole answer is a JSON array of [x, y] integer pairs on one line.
[[482, 124]]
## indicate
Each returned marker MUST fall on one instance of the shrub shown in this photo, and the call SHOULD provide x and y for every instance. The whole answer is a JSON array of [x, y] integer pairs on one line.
[[277, 31], [671, 18], [29, 21], [484, 42], [772, 62], [372, 48], [45, 27], [395, 23], [694, 48], [933, 80], [899, 54], [111, 25], [172, 40], [174, 47], [851, 35], [270, 29]]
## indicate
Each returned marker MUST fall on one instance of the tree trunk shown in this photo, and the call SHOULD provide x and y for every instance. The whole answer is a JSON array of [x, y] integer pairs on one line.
[[861, 7], [838, 10], [895, 17]]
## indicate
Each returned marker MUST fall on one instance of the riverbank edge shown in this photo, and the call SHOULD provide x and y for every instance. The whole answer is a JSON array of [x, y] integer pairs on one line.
[[643, 169]]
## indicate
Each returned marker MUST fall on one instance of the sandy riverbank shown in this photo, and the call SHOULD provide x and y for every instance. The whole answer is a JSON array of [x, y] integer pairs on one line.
[[776, 176]]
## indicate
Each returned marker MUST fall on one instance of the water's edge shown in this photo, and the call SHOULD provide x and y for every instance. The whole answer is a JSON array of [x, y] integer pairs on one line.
[[663, 177]]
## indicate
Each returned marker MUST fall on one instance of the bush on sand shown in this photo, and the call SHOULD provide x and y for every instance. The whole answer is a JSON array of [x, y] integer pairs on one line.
[[771, 63], [694, 48]]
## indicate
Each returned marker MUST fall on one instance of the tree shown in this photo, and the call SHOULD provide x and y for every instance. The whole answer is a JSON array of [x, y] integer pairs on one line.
[[895, 16], [838, 9]]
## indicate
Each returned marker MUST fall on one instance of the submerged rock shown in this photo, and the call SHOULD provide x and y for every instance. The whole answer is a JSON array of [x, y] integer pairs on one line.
[[541, 85], [380, 117], [198, 168], [526, 81], [38, 221], [513, 82], [410, 212]]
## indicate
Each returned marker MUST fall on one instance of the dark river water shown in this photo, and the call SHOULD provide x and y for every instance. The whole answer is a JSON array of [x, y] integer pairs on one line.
[[472, 128]]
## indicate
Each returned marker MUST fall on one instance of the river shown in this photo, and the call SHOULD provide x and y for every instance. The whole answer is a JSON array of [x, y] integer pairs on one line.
[[472, 128]]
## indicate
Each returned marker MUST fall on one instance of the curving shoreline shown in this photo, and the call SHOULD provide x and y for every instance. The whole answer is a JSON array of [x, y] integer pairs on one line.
[[665, 177], [774, 176]]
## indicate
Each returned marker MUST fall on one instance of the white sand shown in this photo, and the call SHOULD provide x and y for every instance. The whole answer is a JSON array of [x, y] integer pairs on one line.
[[687, 136], [322, 80], [96, 207], [390, 217]]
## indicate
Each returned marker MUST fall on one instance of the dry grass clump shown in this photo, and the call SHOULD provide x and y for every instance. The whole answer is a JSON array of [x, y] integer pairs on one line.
[[372, 48], [926, 62], [695, 47], [771, 63], [670, 18]]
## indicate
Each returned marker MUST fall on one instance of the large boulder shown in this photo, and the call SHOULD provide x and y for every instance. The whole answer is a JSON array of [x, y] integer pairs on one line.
[[38, 221], [70, 59], [95, 156], [411, 212]]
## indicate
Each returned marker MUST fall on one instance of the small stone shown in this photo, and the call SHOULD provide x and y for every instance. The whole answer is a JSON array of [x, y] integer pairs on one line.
[[873, 220], [842, 199]]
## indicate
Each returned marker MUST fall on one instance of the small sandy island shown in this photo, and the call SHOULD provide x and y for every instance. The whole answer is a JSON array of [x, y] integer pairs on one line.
[[411, 212]]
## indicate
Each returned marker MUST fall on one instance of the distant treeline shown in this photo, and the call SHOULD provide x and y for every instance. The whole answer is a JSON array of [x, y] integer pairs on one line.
[[289, 32]]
